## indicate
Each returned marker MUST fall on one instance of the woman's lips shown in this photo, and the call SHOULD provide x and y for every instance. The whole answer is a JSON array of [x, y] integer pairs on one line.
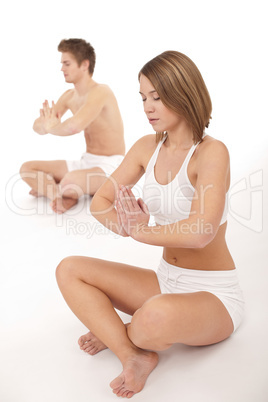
[[152, 121]]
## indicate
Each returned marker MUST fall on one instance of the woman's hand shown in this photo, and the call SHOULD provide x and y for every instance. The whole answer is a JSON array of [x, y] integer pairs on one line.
[[132, 214]]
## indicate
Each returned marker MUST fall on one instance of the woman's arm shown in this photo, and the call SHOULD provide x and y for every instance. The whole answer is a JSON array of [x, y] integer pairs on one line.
[[207, 206], [128, 174]]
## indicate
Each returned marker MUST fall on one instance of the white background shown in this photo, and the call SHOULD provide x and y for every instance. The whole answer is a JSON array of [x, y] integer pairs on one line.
[[228, 42]]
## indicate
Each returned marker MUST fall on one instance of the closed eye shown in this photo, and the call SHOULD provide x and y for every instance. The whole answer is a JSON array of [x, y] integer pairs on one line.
[[156, 99]]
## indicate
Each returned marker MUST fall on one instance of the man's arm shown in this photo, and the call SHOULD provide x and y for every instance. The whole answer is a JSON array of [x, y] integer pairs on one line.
[[60, 108], [38, 125], [87, 113]]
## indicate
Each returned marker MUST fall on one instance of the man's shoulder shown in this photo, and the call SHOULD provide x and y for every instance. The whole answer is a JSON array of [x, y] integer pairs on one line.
[[64, 102], [100, 89], [67, 95], [99, 94]]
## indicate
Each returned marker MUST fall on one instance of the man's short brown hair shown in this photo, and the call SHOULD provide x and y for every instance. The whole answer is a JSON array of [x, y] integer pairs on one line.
[[81, 50]]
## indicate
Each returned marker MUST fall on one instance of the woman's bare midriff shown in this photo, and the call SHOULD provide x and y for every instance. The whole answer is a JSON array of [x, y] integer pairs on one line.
[[214, 257]]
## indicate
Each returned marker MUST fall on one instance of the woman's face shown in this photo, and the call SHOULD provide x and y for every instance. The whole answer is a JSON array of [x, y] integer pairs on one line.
[[159, 116]]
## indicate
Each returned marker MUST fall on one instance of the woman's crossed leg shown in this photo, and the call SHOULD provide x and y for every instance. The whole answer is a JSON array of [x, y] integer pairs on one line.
[[93, 288]]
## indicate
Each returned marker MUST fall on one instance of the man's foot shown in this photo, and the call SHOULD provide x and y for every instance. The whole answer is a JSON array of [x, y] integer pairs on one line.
[[62, 204], [90, 344], [134, 375], [35, 193]]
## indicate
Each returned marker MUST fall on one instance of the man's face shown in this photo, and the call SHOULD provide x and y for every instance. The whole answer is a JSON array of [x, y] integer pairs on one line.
[[71, 71]]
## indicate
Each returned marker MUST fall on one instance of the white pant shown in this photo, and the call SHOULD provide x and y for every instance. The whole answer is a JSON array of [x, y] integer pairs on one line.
[[89, 161], [223, 284]]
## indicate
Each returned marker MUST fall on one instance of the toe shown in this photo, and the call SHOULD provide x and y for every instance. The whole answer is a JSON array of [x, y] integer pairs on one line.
[[119, 391], [81, 341], [90, 350], [93, 351], [125, 393], [117, 383], [85, 345]]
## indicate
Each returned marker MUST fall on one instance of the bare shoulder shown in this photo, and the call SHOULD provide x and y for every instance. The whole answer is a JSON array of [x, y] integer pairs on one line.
[[67, 95], [144, 148], [64, 102], [147, 141], [146, 144], [104, 88], [135, 161], [211, 150], [100, 91]]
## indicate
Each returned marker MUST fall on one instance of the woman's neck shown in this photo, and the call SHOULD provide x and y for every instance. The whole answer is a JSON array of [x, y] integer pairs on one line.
[[181, 138]]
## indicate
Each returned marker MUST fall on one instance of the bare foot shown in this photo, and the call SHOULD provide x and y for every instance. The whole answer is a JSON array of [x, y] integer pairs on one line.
[[134, 375], [90, 344], [62, 204], [35, 193]]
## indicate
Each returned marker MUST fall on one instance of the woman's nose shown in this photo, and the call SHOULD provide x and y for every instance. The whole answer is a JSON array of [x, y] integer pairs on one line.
[[148, 106]]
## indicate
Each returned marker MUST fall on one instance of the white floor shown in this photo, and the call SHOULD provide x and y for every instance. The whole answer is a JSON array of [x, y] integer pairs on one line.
[[40, 360]]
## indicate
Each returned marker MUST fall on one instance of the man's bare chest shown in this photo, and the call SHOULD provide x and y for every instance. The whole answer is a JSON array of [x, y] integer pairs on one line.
[[76, 103]]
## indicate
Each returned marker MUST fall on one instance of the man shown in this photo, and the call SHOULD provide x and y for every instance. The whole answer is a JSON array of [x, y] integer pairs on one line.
[[95, 111]]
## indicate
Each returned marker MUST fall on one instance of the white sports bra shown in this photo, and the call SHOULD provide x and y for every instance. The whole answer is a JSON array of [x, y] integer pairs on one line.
[[171, 202]]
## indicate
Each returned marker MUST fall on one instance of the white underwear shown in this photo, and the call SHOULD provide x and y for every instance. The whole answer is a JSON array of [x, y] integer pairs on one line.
[[223, 284], [89, 161]]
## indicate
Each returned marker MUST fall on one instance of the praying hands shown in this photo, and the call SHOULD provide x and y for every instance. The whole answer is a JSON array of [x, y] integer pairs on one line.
[[132, 214]]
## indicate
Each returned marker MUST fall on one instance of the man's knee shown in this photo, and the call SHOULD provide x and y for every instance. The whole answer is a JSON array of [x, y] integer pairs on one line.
[[26, 167], [69, 186]]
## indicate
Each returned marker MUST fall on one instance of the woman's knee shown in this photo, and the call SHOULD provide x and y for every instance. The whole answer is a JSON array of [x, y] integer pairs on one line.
[[65, 270], [76, 267], [147, 324]]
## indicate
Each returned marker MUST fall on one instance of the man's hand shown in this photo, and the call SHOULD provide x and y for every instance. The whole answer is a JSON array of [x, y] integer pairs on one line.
[[132, 214], [49, 116]]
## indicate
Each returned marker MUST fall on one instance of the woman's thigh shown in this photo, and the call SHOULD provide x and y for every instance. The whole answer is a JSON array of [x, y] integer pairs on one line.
[[128, 287], [193, 319]]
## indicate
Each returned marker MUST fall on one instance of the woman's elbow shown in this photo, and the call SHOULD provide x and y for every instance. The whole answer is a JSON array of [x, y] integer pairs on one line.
[[195, 242], [195, 234], [94, 206], [203, 239]]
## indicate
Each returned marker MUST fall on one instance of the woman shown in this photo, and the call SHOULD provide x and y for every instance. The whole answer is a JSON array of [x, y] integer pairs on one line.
[[194, 298]]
